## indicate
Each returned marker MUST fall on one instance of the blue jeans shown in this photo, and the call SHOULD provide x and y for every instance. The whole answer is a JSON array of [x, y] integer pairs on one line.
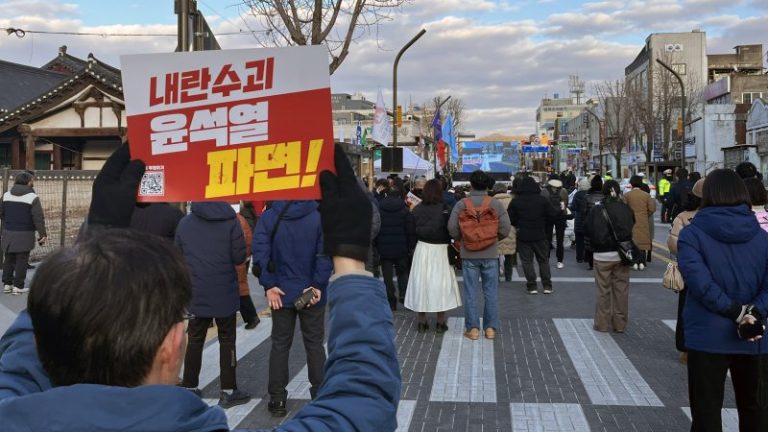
[[476, 271]]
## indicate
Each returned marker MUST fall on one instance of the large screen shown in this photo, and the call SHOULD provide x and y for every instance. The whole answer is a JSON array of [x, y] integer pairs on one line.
[[501, 157]]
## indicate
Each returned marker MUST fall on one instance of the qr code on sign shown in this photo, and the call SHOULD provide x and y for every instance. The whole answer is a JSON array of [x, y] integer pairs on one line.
[[152, 184]]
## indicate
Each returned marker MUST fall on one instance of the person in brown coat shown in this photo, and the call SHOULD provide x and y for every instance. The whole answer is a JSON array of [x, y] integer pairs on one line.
[[247, 309], [643, 206]]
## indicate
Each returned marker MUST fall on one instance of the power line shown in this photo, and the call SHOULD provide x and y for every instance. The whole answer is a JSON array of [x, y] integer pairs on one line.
[[20, 33]]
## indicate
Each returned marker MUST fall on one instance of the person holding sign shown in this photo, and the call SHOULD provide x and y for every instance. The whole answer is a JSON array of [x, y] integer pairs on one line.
[[59, 368]]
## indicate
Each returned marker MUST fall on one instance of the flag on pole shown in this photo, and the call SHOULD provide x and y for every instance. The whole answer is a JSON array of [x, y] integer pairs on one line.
[[382, 130], [439, 138], [449, 137], [364, 139]]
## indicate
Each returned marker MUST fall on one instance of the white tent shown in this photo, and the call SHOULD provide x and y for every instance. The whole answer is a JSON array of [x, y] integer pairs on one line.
[[413, 165]]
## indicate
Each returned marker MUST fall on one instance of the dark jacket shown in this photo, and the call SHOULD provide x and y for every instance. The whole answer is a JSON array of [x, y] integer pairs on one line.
[[344, 401], [396, 237], [296, 253], [578, 208], [556, 192], [677, 194], [160, 219], [431, 222], [529, 212], [598, 230], [723, 257], [449, 199], [213, 244], [22, 215]]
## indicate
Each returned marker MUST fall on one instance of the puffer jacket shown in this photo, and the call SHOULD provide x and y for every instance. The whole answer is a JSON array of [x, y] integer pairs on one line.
[[578, 208], [431, 223], [529, 212], [508, 245], [213, 243], [723, 257], [598, 231], [396, 236]]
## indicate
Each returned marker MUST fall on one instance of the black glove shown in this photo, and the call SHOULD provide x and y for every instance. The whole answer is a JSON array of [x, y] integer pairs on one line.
[[750, 331], [114, 191], [345, 212]]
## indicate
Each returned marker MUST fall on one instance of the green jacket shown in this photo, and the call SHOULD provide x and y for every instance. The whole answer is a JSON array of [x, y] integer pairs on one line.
[[664, 187]]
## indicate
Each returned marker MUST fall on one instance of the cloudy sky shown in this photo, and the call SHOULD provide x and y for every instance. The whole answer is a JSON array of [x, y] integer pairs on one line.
[[500, 56]]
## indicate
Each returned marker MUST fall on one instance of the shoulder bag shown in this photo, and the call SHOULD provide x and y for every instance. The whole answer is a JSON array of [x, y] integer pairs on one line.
[[626, 249], [672, 279], [256, 269]]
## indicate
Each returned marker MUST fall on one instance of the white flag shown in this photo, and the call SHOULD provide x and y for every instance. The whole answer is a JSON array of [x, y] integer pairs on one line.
[[382, 130]]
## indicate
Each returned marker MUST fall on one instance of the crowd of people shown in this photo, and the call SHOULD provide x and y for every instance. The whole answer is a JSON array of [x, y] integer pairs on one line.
[[316, 260]]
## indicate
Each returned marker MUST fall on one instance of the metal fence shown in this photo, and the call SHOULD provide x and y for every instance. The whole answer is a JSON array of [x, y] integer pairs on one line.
[[65, 196]]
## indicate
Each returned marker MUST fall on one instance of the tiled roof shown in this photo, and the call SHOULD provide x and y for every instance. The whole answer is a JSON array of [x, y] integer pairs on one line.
[[22, 83]]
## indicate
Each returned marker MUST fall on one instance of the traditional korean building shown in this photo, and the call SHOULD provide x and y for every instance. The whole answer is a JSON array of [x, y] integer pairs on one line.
[[67, 114]]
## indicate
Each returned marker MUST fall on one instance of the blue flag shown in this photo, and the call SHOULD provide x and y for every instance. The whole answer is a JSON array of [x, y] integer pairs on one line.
[[449, 137], [359, 136], [437, 127]]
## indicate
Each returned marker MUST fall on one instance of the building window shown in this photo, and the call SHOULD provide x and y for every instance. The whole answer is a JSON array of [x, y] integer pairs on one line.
[[748, 97], [679, 68]]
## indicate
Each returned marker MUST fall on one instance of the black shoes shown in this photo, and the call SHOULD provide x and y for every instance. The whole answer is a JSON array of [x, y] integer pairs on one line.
[[236, 397], [252, 325], [441, 328], [277, 408], [423, 327]]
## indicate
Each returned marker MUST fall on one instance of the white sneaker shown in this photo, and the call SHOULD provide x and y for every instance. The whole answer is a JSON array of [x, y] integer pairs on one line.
[[560, 265], [7, 289], [635, 267], [641, 266], [19, 291]]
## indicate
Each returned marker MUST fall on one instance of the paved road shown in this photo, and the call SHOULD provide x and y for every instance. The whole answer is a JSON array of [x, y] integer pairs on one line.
[[547, 371]]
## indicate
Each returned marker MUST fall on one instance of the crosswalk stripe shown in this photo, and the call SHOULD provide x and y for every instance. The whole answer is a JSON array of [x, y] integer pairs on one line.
[[606, 372], [405, 415], [530, 417], [465, 370], [247, 340], [671, 324], [729, 416], [299, 386], [236, 414], [7, 317]]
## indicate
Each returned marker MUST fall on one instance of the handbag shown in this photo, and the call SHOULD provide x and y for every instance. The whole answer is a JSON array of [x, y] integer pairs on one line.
[[672, 279], [627, 248]]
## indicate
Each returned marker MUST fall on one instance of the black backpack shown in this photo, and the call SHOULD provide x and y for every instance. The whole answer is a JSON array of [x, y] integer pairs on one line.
[[554, 199], [680, 206]]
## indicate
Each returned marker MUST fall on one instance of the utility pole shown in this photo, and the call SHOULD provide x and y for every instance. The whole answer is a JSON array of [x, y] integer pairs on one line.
[[434, 143], [682, 109], [394, 81], [599, 138], [182, 9]]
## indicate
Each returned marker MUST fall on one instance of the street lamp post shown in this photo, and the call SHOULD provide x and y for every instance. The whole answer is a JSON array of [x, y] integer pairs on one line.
[[434, 143], [682, 109], [599, 138], [394, 82]]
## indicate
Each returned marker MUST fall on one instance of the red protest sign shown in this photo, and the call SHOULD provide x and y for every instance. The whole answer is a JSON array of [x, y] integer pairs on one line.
[[230, 125]]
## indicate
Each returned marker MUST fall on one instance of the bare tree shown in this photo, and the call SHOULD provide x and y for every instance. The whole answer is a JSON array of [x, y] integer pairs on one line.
[[655, 105], [619, 124], [333, 23], [455, 106]]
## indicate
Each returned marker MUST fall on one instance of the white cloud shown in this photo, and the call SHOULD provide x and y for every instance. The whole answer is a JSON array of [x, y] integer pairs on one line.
[[48, 9]]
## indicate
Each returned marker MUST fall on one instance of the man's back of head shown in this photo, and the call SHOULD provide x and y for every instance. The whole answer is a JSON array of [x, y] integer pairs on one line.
[[102, 309], [479, 180]]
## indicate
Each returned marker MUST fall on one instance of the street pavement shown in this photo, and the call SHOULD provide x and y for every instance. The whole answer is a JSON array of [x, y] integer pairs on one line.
[[546, 371]]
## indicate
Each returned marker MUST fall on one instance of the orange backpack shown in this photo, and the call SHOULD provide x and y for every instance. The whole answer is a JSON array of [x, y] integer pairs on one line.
[[479, 225]]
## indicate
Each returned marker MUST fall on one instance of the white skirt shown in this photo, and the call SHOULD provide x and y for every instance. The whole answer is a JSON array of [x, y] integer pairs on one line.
[[432, 285]]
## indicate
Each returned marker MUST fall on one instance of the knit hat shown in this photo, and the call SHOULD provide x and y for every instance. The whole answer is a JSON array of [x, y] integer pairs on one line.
[[698, 188], [499, 188], [584, 184]]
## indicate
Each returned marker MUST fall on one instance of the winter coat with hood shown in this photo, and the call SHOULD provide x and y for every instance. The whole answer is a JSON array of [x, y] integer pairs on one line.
[[344, 401], [397, 236], [643, 206], [530, 211], [723, 257], [212, 243], [296, 253], [22, 215], [578, 206], [554, 190], [598, 231], [507, 245]]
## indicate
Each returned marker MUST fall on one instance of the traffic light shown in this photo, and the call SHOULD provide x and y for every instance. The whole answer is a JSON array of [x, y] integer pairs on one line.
[[399, 116], [680, 126]]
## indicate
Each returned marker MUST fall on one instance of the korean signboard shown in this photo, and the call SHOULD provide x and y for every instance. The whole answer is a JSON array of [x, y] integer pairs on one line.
[[230, 125]]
